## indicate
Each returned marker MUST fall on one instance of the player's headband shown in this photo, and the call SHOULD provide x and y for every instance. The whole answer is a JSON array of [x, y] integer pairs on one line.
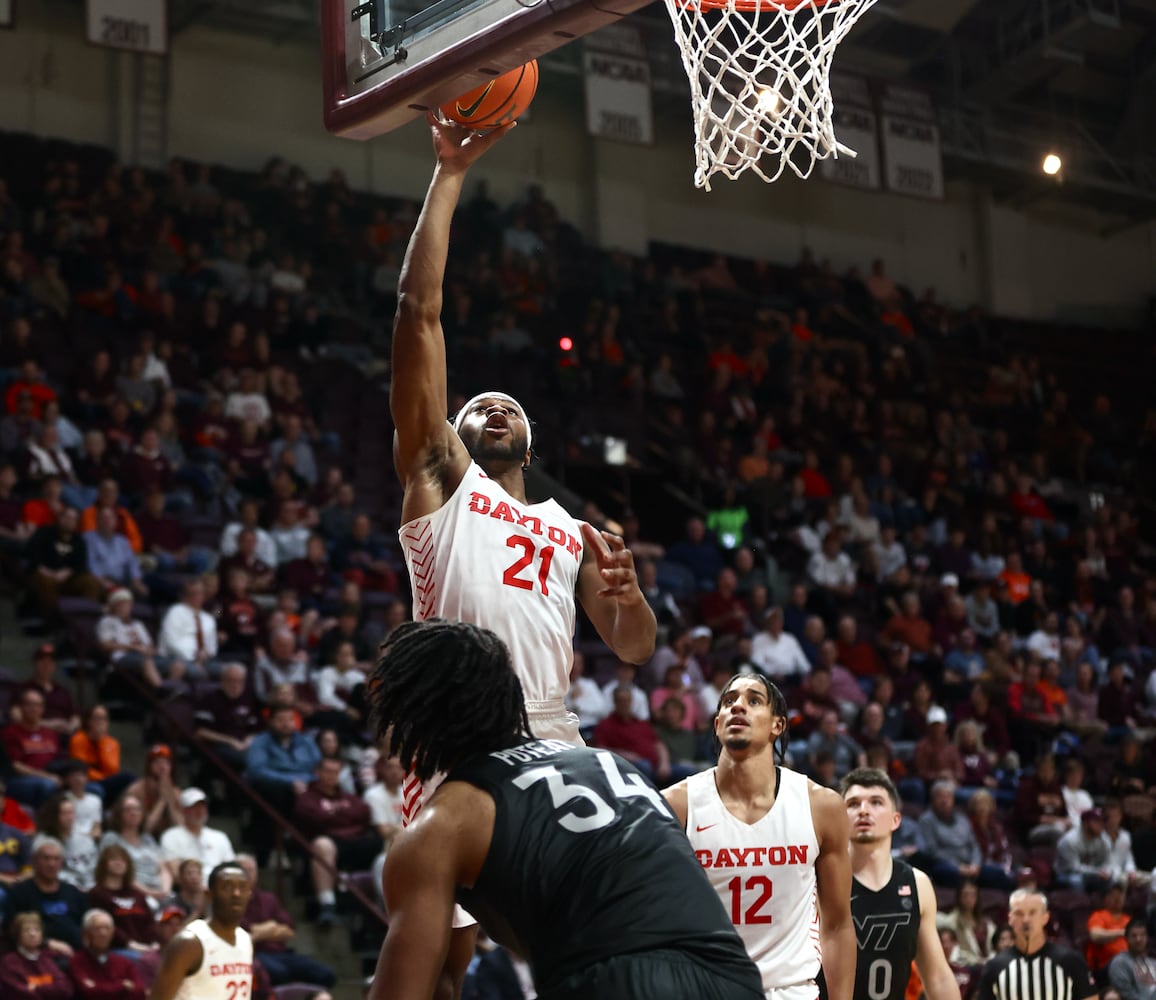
[[460, 418]]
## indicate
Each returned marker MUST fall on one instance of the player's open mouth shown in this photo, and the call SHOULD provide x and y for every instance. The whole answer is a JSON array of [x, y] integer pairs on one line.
[[738, 722]]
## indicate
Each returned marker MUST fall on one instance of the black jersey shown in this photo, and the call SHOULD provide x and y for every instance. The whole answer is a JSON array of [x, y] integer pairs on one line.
[[588, 862], [1052, 973], [887, 932]]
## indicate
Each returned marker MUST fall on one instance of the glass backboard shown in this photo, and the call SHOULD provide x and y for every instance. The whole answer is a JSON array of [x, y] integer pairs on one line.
[[388, 61]]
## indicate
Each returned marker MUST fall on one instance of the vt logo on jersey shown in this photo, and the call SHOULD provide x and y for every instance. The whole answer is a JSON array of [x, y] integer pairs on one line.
[[484, 505], [876, 931]]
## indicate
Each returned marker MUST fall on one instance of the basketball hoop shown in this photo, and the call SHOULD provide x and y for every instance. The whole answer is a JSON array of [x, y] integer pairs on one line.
[[760, 80]]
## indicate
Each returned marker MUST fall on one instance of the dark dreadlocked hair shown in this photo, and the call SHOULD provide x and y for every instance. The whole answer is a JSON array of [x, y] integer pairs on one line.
[[778, 705], [444, 691]]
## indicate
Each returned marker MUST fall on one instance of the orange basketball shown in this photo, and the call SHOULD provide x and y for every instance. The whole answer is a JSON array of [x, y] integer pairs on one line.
[[497, 102]]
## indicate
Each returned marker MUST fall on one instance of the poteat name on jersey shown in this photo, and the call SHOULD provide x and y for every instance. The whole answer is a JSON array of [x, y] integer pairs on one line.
[[752, 857], [531, 751], [502, 511]]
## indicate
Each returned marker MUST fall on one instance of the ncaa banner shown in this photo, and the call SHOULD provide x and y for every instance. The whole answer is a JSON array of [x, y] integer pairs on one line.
[[856, 126], [135, 25], [911, 146], [618, 97]]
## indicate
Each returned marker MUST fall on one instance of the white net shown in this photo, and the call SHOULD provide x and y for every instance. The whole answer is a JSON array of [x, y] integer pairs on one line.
[[760, 80]]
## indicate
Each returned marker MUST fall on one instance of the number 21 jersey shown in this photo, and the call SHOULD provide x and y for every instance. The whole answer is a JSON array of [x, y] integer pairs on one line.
[[764, 872], [487, 559]]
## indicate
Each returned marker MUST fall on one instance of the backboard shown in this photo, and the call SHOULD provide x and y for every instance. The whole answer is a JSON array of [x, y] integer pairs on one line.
[[388, 61]]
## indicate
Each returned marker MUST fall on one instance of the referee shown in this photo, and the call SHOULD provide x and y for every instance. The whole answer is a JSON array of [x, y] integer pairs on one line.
[[1034, 968]]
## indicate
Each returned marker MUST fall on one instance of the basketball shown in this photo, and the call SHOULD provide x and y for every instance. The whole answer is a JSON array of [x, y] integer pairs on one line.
[[497, 102]]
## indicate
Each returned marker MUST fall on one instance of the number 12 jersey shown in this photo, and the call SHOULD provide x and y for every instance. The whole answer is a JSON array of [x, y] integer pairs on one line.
[[765, 874], [511, 567]]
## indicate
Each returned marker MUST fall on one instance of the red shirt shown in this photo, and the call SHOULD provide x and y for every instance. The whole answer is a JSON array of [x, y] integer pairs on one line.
[[41, 978], [815, 484], [58, 703], [13, 815], [39, 392], [34, 747], [132, 917], [860, 658], [634, 736], [727, 615], [97, 980], [342, 816]]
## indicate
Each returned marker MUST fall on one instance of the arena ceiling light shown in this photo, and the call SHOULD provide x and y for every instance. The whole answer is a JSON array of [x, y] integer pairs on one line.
[[1052, 164]]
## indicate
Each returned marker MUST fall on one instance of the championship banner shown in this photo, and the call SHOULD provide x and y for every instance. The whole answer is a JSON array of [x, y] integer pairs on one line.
[[856, 126], [911, 147], [135, 25], [618, 102], [6, 13]]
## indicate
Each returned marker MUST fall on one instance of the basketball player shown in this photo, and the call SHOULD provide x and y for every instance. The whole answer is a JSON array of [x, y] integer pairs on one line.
[[892, 904], [211, 959], [1034, 968], [774, 846], [477, 551], [566, 854]]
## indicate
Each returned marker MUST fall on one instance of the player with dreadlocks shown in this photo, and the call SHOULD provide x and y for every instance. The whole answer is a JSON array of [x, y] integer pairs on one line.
[[565, 853], [774, 845]]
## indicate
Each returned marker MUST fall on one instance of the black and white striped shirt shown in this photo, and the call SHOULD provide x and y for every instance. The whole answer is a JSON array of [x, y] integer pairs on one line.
[[1052, 973]]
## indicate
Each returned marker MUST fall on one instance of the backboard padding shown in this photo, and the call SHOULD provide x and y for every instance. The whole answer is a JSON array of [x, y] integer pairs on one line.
[[366, 93]]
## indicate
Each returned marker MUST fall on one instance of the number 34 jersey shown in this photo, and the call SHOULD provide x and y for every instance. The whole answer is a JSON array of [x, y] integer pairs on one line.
[[587, 862], [764, 872], [487, 559]]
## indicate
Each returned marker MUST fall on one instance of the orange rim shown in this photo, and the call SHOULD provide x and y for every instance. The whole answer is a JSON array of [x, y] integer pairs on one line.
[[750, 6]]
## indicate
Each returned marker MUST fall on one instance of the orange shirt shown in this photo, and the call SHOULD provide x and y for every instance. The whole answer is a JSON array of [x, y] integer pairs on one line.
[[102, 757], [1099, 955], [1018, 585]]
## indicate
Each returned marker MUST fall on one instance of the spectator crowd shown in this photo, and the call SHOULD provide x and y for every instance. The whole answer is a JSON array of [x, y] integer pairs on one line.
[[926, 533]]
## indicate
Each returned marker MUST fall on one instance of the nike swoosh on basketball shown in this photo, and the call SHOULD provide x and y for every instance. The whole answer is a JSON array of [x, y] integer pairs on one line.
[[699, 829]]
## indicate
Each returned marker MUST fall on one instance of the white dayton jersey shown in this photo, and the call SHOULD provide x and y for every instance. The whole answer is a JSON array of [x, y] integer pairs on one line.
[[226, 970], [765, 874], [485, 558]]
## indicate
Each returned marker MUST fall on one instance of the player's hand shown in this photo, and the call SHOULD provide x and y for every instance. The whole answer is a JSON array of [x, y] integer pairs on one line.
[[458, 146], [615, 564]]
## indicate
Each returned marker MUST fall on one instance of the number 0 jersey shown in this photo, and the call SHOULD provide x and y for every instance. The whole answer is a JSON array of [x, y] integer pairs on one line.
[[587, 862], [485, 558], [765, 874], [887, 932]]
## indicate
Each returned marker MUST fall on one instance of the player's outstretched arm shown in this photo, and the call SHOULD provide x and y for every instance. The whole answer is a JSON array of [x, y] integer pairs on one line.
[[833, 874], [609, 593], [182, 957], [938, 980], [418, 394]]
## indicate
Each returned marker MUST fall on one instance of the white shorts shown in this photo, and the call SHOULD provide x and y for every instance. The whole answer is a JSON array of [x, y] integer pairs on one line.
[[800, 991], [549, 720]]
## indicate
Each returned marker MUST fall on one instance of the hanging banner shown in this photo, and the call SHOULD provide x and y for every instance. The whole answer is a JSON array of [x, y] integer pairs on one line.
[[856, 126], [618, 97], [135, 25], [911, 147], [6, 13]]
